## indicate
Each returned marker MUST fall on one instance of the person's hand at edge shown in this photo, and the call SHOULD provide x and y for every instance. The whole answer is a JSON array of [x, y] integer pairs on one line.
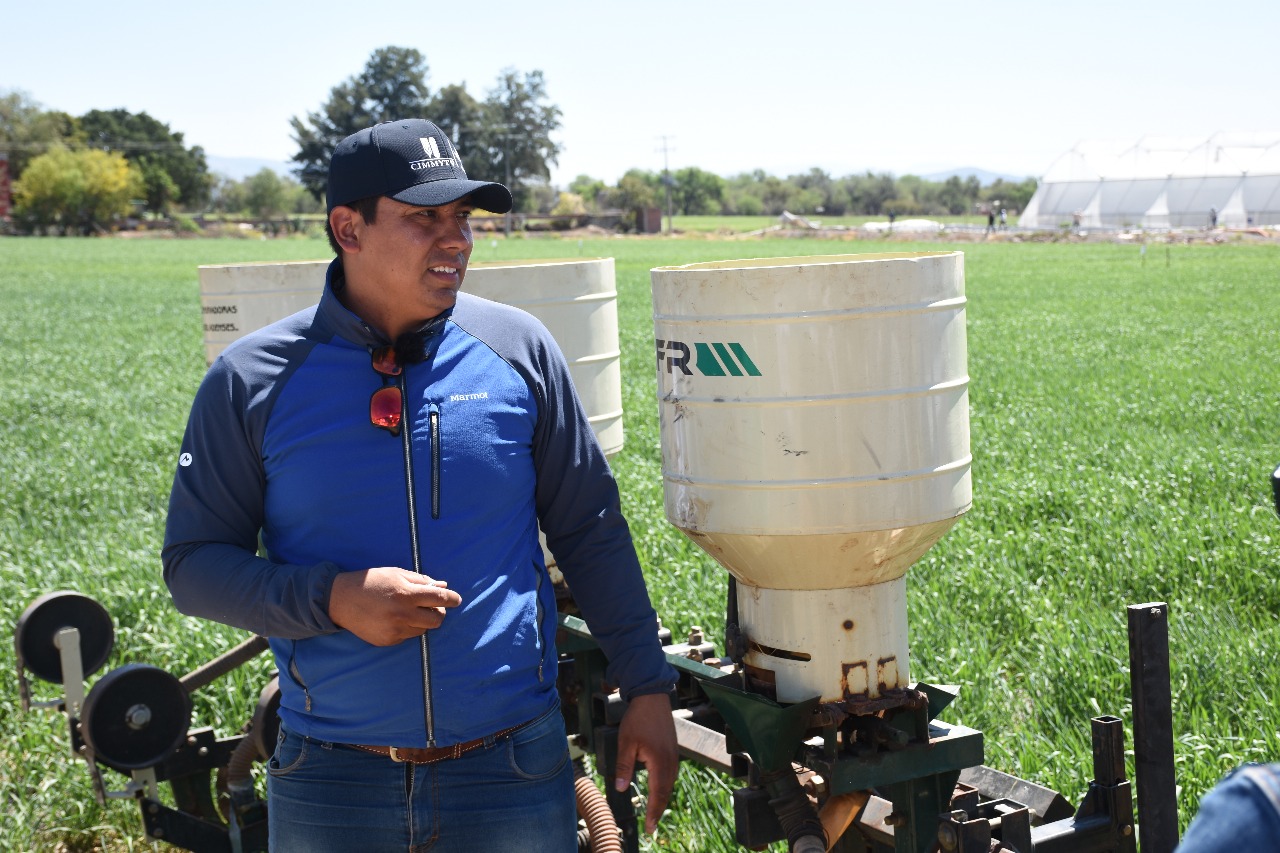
[[647, 734]]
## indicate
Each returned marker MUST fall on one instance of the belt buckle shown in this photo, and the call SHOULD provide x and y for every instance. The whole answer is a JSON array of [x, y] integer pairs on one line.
[[394, 757]]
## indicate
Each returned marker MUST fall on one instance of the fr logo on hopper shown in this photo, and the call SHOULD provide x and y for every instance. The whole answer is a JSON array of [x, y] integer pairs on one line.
[[713, 359]]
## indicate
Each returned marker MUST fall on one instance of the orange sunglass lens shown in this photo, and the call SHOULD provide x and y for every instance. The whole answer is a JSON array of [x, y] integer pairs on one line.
[[384, 361], [384, 408]]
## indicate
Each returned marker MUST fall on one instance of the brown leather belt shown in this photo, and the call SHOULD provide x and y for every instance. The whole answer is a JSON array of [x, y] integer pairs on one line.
[[432, 754]]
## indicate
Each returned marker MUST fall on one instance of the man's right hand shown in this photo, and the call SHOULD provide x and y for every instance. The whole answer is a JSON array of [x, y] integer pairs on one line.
[[387, 605]]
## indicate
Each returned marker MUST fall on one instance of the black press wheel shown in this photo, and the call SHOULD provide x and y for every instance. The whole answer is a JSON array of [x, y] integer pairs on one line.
[[135, 716], [38, 626]]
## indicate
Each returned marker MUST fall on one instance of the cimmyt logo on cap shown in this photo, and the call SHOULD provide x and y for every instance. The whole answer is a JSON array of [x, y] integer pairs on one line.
[[434, 158]]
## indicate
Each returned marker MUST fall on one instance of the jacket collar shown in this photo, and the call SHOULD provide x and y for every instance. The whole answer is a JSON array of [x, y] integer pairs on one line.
[[350, 326]]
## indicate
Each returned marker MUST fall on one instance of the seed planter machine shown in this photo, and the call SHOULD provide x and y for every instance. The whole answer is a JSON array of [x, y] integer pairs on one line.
[[815, 442], [861, 776]]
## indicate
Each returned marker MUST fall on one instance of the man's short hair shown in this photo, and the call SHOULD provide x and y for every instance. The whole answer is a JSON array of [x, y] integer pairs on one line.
[[367, 207]]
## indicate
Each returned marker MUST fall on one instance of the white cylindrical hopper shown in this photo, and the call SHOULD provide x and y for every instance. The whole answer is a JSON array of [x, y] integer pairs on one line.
[[577, 300], [237, 299], [815, 440]]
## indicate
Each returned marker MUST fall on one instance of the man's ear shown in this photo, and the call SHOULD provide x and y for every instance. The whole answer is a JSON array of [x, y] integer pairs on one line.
[[345, 222]]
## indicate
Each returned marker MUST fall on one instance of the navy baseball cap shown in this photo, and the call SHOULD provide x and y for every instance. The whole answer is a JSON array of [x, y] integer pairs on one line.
[[412, 161]]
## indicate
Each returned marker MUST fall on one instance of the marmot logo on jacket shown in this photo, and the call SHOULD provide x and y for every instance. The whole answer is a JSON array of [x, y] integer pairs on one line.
[[482, 395]]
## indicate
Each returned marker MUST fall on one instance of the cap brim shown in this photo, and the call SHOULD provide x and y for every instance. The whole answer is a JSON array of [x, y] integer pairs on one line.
[[492, 197]]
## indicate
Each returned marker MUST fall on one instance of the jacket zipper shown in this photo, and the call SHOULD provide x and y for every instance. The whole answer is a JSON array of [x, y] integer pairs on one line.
[[537, 595], [435, 460], [407, 444]]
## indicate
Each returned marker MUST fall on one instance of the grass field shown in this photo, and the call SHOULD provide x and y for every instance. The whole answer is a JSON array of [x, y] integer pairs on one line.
[[1125, 418]]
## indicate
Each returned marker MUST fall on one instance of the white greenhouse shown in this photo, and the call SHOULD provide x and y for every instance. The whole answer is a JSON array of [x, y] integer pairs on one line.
[[1229, 179]]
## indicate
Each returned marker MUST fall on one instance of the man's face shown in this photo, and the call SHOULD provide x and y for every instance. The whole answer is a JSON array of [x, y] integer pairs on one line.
[[411, 262]]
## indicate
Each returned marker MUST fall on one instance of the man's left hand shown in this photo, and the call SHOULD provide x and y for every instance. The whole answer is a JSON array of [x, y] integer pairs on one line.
[[647, 734]]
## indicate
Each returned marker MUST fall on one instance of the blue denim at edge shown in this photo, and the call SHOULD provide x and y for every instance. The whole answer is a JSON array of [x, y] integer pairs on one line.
[[1240, 815], [512, 796]]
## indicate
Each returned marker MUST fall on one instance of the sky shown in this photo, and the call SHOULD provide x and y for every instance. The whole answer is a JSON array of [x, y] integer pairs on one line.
[[917, 87]]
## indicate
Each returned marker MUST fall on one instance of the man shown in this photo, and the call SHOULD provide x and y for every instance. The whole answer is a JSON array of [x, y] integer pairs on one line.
[[395, 448]]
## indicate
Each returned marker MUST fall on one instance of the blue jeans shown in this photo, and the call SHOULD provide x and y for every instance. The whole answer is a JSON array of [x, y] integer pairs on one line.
[[513, 795]]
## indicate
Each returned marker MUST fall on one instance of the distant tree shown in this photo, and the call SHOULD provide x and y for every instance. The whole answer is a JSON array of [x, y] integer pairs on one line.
[[777, 195], [956, 196], [299, 200], [393, 85], [263, 195], [591, 190], [742, 194], [758, 192], [515, 134], [920, 197], [570, 208], [461, 117], [819, 193], [1009, 195], [171, 172], [635, 189], [745, 204], [266, 194], [697, 192], [868, 193], [228, 196], [27, 130], [540, 195], [75, 191]]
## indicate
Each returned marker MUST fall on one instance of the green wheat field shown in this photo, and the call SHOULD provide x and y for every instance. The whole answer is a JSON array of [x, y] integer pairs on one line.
[[1125, 414]]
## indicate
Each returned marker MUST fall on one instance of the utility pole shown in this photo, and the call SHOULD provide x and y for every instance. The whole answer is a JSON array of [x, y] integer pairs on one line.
[[666, 178], [506, 136]]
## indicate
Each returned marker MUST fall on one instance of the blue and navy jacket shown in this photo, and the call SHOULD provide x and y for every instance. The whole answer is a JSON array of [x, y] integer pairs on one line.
[[283, 482]]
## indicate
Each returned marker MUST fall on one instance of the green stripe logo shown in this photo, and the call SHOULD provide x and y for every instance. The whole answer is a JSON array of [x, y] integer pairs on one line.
[[713, 359]]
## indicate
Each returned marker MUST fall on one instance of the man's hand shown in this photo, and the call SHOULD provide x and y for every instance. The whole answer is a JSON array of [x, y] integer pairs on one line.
[[647, 734], [386, 605]]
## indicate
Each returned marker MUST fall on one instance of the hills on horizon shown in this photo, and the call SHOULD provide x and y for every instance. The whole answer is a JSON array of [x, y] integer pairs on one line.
[[239, 168]]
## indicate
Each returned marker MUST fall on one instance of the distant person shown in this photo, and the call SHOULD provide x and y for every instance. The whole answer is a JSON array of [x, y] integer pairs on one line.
[[1240, 815], [991, 220], [362, 483], [1004, 219], [892, 216], [1213, 217]]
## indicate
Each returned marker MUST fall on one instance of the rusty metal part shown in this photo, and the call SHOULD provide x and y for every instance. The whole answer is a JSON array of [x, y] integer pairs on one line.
[[224, 663], [856, 683], [837, 713], [701, 744]]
